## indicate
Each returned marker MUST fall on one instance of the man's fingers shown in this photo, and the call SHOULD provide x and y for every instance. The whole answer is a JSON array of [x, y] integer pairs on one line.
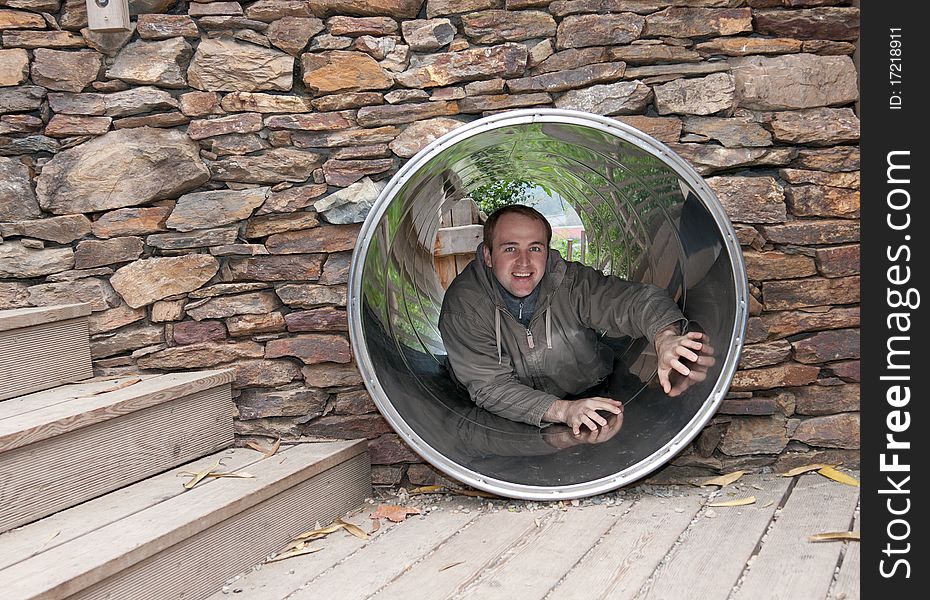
[[663, 380], [604, 399], [705, 361], [597, 418], [680, 368], [685, 353], [588, 423], [694, 345], [609, 404]]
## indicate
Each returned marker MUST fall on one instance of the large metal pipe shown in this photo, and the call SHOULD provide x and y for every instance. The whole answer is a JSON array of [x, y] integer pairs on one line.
[[648, 216]]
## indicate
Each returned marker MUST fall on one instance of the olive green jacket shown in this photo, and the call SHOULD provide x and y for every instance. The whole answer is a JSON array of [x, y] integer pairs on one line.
[[519, 372]]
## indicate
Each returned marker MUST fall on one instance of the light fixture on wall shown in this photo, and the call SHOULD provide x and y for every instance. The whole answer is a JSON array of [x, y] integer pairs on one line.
[[108, 15]]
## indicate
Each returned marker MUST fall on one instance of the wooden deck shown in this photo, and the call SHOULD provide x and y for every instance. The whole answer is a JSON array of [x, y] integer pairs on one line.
[[645, 542]]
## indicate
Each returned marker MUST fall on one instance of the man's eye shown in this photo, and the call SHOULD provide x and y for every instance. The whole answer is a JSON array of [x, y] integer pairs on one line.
[[508, 249], [535, 249]]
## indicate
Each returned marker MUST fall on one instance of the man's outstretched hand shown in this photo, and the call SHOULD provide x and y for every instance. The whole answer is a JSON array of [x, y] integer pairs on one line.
[[576, 413], [671, 348]]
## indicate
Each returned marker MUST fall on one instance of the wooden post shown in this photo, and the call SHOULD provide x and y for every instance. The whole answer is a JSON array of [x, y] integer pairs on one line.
[[108, 15], [458, 236]]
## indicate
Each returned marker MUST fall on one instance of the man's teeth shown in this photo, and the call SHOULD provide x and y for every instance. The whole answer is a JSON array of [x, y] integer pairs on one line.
[[522, 274]]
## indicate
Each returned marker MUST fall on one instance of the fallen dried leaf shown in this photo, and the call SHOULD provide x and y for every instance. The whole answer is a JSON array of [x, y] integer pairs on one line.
[[537, 522], [200, 476], [217, 474], [268, 452], [477, 494], [104, 378], [834, 536], [737, 502], [805, 469], [233, 474], [768, 504], [455, 564], [353, 529], [294, 544], [838, 476], [428, 489], [118, 386], [441, 489], [318, 532], [54, 535], [294, 552], [375, 526], [723, 480], [394, 513]]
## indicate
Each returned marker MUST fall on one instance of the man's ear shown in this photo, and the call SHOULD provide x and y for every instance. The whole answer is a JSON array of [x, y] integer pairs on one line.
[[486, 254]]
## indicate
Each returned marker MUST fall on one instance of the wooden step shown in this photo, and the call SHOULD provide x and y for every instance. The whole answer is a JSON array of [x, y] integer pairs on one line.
[[156, 540], [42, 348], [64, 446]]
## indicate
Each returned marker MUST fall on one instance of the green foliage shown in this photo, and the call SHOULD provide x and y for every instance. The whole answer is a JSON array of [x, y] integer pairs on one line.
[[500, 193], [561, 246]]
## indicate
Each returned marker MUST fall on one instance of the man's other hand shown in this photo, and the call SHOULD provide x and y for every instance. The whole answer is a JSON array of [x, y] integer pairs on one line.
[[583, 411], [671, 348], [562, 437]]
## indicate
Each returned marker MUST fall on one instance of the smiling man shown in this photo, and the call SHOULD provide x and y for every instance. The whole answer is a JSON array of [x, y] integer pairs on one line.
[[522, 326]]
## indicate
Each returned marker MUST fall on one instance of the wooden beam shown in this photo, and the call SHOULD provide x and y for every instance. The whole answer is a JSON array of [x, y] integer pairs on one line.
[[40, 315], [67, 469], [66, 525], [22, 426], [43, 355], [458, 240], [237, 521]]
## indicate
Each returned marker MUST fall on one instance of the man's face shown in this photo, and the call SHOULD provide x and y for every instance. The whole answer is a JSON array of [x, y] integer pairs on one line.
[[518, 254]]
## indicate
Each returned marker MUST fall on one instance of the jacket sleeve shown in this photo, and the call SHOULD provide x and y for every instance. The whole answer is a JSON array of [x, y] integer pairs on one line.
[[622, 307], [472, 348]]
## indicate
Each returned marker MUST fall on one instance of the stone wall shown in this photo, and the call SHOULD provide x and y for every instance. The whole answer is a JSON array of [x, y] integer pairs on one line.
[[200, 181]]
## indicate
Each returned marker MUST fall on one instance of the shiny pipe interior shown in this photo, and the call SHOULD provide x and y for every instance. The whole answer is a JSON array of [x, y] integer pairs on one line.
[[647, 216]]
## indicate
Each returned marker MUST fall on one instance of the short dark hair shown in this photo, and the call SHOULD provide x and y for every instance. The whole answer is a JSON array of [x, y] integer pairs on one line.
[[517, 209]]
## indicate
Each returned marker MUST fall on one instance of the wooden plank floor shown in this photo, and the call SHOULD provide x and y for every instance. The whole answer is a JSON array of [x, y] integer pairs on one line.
[[644, 542]]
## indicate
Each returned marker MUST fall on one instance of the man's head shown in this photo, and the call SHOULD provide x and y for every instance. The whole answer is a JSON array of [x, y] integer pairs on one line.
[[516, 247]]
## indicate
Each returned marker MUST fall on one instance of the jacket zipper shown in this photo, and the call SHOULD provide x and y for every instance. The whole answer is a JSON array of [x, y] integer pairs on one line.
[[529, 334]]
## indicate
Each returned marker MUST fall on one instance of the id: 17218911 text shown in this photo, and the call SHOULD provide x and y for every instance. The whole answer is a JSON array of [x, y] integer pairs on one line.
[[895, 98]]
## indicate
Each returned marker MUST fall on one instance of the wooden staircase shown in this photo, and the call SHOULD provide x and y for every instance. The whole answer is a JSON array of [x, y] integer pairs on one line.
[[92, 501]]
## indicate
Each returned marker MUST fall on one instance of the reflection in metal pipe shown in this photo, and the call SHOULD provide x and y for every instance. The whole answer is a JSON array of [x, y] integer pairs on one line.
[[648, 216]]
